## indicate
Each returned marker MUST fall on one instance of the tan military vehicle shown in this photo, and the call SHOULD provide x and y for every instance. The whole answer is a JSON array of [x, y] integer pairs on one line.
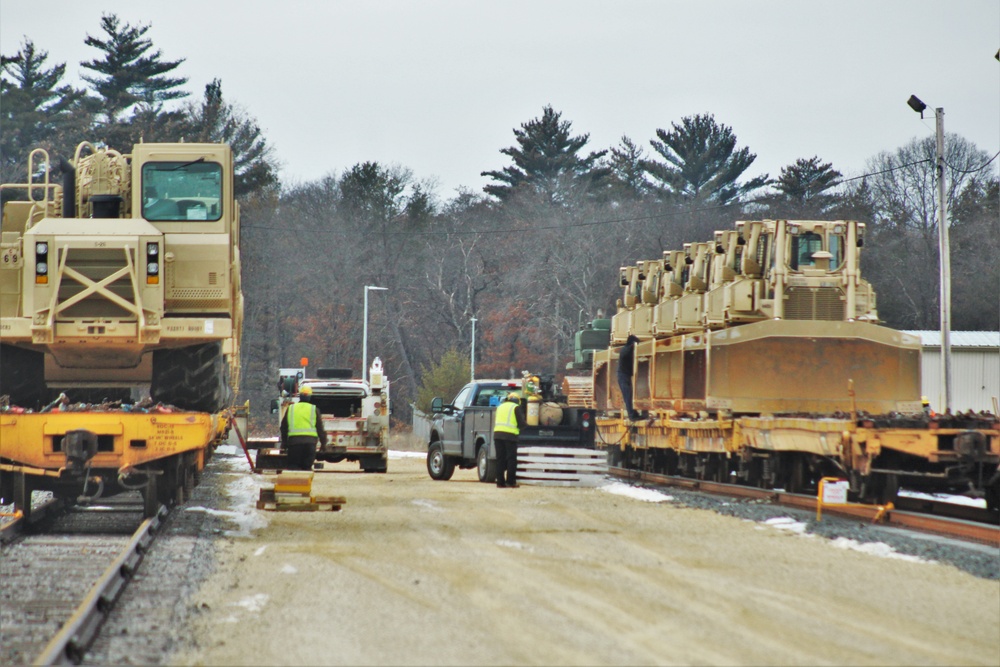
[[124, 275]]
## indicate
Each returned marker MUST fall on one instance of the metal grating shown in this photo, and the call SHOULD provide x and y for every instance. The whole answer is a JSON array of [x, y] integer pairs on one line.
[[814, 303]]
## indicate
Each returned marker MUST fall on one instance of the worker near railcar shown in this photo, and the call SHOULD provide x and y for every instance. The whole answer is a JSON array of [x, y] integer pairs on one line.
[[301, 430], [506, 429], [626, 366]]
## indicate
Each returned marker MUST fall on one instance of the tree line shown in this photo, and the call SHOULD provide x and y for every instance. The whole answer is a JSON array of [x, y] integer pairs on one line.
[[530, 256]]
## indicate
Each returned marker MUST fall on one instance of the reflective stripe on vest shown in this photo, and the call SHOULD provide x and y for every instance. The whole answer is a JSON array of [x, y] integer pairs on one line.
[[506, 421], [302, 419]]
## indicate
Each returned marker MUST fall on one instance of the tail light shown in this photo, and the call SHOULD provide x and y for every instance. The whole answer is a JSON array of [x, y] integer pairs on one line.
[[41, 263], [152, 264]]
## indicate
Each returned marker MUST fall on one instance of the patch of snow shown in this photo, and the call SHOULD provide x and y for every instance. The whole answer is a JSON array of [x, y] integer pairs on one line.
[[636, 492], [879, 549], [288, 569], [945, 498], [511, 544], [254, 604], [787, 523], [395, 454], [260, 551], [426, 504]]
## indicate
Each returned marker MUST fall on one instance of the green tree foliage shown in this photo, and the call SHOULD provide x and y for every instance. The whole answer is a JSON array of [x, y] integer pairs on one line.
[[628, 178], [133, 83], [373, 194], [546, 160], [36, 109], [443, 379], [803, 190], [701, 162], [215, 120]]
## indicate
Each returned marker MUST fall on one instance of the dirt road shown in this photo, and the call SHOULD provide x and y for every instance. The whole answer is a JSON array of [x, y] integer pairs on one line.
[[417, 572]]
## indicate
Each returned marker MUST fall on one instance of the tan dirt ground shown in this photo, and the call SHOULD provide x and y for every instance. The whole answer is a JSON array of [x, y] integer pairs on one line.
[[418, 572]]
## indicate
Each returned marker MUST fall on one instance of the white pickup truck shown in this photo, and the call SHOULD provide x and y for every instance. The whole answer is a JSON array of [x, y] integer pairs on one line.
[[355, 413]]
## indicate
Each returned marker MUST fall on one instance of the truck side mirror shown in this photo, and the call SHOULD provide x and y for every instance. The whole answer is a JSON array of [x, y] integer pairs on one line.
[[274, 406], [436, 405]]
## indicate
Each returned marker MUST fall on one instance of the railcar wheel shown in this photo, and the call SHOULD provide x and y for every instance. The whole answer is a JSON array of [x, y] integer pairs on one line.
[[150, 498], [439, 467], [486, 468]]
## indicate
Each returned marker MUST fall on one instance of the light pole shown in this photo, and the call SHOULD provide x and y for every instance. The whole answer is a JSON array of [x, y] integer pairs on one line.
[[944, 251], [472, 354], [364, 345]]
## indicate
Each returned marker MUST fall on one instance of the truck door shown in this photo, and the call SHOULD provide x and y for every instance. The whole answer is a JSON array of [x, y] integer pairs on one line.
[[452, 424]]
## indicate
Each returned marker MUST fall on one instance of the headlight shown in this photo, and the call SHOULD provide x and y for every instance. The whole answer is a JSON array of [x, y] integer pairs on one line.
[[41, 248], [152, 268], [41, 268]]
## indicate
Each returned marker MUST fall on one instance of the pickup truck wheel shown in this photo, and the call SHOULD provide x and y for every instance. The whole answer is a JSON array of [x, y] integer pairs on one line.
[[486, 468], [439, 466]]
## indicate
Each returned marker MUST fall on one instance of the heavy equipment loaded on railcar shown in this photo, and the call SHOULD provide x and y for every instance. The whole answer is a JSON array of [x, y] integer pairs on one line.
[[761, 359], [122, 278], [126, 274]]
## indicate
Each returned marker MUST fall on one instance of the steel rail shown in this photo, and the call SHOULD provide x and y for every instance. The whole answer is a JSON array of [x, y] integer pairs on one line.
[[948, 527], [76, 636]]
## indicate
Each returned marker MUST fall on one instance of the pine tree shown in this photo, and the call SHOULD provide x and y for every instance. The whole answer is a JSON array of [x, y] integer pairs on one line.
[[627, 175], [802, 190], [702, 163], [132, 81], [546, 159], [36, 111]]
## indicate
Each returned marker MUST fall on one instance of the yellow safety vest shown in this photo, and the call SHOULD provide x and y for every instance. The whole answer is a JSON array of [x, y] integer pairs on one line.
[[506, 422], [302, 419]]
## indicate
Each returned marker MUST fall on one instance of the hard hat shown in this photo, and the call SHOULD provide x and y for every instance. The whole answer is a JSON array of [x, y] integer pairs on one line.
[[924, 400], [513, 396], [305, 390]]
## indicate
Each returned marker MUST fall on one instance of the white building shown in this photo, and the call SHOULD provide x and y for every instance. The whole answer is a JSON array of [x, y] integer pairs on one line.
[[975, 369]]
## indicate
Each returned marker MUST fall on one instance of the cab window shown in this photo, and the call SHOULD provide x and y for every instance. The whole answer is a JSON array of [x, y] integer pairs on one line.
[[182, 191], [803, 247], [463, 398]]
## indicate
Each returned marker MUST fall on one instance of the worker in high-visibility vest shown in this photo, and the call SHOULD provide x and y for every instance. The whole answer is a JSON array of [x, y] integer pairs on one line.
[[301, 429], [509, 420]]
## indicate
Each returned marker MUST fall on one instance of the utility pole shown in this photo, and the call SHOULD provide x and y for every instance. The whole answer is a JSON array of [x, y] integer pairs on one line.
[[472, 354], [944, 251]]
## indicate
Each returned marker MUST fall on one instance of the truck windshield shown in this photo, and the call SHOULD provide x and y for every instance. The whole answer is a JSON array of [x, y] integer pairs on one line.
[[182, 191]]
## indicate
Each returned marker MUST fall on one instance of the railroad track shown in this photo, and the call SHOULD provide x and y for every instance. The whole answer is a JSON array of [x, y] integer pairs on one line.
[[915, 514], [60, 578]]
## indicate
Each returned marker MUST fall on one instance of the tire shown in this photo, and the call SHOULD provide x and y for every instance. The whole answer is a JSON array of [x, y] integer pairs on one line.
[[191, 378], [22, 377], [486, 467], [439, 466], [375, 464]]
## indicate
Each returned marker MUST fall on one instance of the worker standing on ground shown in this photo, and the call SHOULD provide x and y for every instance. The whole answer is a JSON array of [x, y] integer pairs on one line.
[[506, 428], [626, 364], [301, 429]]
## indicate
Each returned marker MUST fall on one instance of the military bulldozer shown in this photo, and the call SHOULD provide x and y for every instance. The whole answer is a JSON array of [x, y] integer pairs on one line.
[[121, 277]]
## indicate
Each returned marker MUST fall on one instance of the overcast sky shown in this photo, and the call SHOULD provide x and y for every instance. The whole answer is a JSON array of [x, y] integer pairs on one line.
[[439, 86]]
